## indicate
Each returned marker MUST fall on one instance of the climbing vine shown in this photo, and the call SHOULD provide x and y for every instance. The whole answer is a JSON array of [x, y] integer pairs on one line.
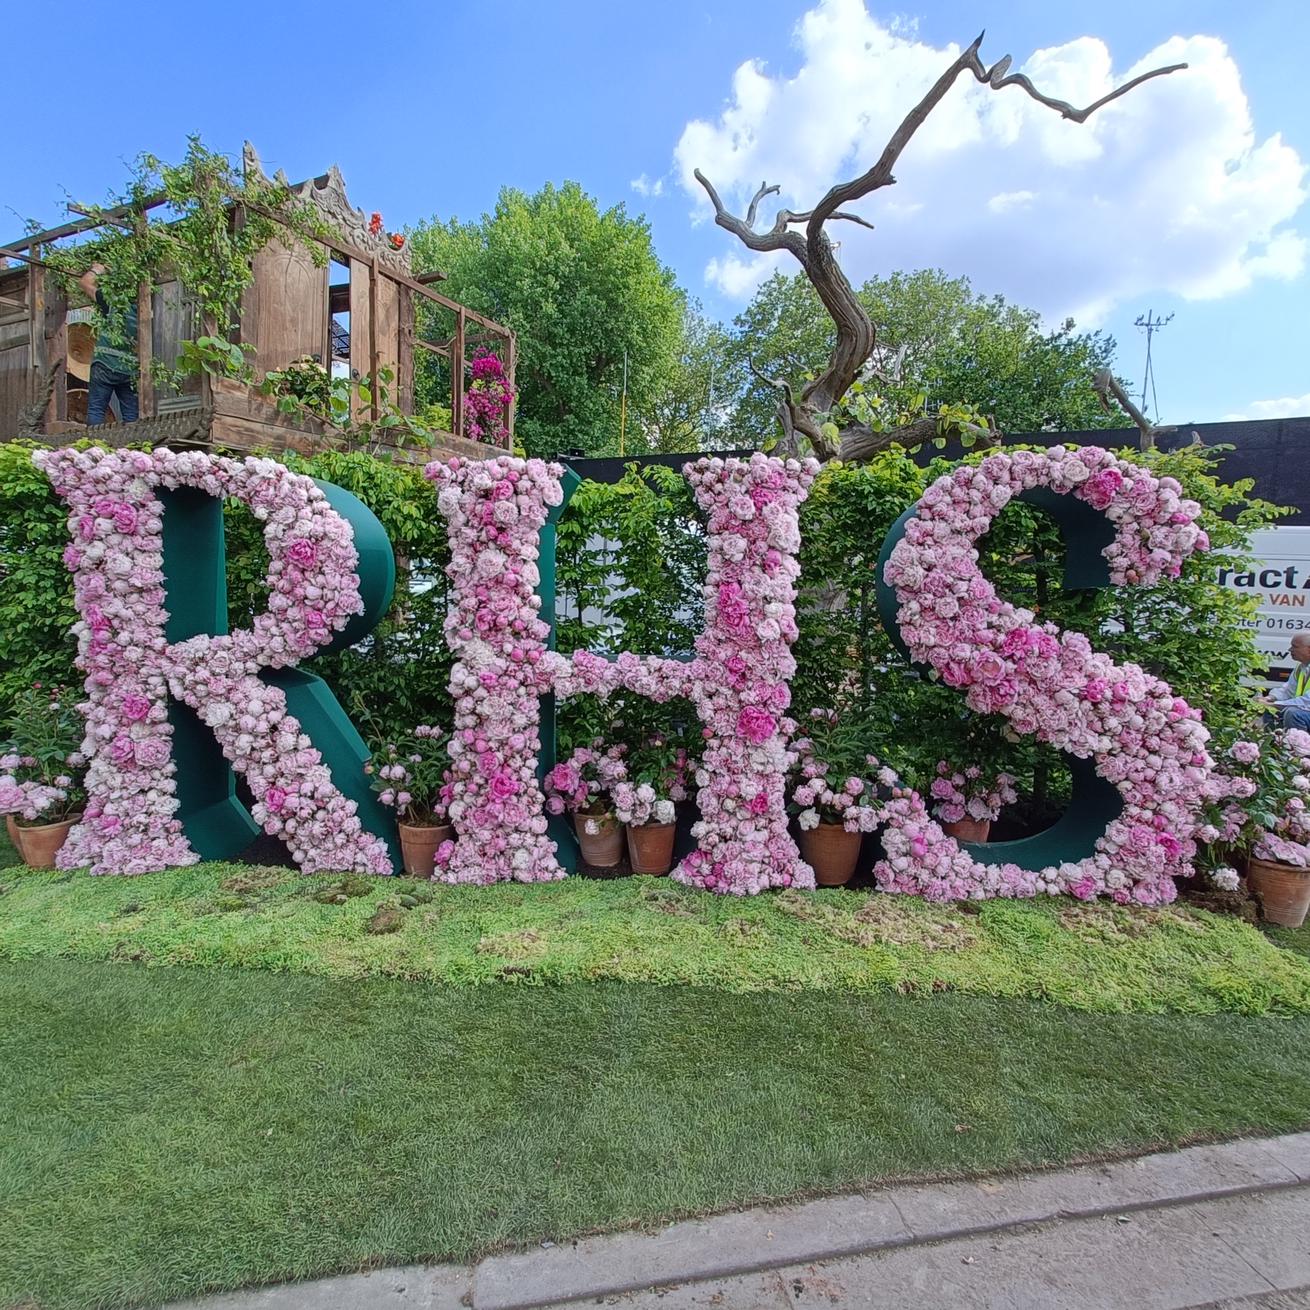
[[214, 221]]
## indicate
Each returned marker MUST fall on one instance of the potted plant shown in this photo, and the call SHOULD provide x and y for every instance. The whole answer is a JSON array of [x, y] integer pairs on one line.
[[41, 769], [409, 775], [583, 785], [1260, 811], [834, 796], [969, 799], [645, 801]]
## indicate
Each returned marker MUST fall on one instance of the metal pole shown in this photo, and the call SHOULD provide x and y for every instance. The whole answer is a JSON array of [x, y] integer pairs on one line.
[[623, 405]]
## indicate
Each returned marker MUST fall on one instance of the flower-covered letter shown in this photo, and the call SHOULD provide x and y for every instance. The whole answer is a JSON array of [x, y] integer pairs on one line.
[[117, 559], [1144, 740], [738, 680]]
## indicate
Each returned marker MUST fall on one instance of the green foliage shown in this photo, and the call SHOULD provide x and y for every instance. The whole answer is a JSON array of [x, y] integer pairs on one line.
[[629, 570], [643, 532], [688, 411], [36, 591], [937, 339], [581, 288], [213, 355], [45, 727], [214, 223]]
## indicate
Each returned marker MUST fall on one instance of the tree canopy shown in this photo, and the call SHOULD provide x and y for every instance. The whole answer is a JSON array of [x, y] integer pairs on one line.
[[937, 337], [580, 287]]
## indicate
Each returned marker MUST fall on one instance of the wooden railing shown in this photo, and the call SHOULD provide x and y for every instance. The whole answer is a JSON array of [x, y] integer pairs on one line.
[[44, 363]]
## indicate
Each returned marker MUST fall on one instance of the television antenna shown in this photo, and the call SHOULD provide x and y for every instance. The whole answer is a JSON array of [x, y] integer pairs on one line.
[[1151, 324]]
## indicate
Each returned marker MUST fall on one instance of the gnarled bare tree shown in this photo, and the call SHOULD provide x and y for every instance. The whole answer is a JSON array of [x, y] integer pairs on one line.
[[802, 414]]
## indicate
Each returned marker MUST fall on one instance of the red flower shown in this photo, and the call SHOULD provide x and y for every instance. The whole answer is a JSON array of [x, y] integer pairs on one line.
[[375, 223]]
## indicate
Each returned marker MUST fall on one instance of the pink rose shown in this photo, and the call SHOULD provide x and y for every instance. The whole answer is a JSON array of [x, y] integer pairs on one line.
[[503, 785], [135, 708], [756, 725], [302, 553]]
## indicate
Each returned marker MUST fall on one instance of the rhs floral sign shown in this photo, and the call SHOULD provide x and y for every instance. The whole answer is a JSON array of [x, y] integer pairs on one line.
[[1147, 745]]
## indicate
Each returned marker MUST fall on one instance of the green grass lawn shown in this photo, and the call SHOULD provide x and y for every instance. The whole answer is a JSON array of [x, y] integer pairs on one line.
[[645, 930], [512, 1063], [170, 1131]]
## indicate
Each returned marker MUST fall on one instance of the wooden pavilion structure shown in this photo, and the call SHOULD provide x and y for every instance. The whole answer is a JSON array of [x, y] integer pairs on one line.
[[356, 314]]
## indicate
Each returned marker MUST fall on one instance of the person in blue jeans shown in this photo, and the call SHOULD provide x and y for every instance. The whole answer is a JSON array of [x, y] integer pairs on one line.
[[1288, 705], [114, 364]]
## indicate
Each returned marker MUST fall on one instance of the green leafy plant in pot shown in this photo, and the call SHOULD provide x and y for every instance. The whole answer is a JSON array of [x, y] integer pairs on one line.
[[834, 793], [41, 773], [583, 785], [1261, 816], [409, 774]]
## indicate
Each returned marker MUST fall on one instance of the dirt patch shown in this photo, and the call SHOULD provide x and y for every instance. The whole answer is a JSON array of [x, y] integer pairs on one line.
[[665, 901], [1111, 923], [251, 881], [884, 920]]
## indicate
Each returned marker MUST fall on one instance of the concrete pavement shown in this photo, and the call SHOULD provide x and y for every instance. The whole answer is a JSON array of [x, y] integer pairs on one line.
[[1212, 1226]]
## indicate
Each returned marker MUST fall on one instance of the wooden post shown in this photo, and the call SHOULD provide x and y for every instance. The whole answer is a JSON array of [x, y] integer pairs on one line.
[[511, 365], [405, 351], [457, 376], [56, 338], [36, 325], [373, 333], [208, 328], [145, 350]]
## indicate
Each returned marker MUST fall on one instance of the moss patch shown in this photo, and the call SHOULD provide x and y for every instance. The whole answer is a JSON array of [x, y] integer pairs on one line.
[[1100, 958]]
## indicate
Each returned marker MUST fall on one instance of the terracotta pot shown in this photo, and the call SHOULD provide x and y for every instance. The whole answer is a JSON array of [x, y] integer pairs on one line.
[[418, 846], [602, 849], [831, 852], [650, 847], [12, 828], [1282, 890], [40, 844], [973, 830]]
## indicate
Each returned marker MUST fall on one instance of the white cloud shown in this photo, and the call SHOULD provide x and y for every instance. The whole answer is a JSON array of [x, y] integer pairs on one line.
[[1282, 407], [737, 278], [644, 186], [1165, 190], [1004, 201]]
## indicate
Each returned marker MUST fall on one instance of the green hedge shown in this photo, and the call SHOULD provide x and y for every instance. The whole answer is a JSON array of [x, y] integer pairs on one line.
[[631, 564]]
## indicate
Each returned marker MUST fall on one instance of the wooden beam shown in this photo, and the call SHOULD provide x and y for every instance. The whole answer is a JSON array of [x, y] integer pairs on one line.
[[373, 334], [145, 340], [36, 325], [511, 367], [457, 377], [82, 225], [434, 275]]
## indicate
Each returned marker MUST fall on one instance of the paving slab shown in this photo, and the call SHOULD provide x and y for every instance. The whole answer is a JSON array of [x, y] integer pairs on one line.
[[702, 1248], [1271, 1231], [1292, 1151], [1231, 1168], [1164, 1259]]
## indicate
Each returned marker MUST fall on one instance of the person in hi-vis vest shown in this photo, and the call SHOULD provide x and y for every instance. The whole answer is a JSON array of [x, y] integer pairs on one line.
[[1290, 701]]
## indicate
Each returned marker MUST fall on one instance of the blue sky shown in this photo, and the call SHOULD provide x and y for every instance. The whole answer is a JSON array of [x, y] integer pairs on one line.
[[431, 108]]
